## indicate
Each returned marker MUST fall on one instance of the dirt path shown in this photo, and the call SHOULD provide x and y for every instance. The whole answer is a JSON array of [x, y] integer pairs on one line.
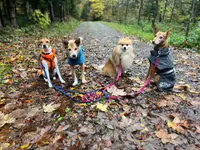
[[128, 123]]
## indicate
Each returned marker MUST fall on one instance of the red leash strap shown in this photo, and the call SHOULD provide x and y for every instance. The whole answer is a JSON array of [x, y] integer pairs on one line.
[[148, 81], [116, 79]]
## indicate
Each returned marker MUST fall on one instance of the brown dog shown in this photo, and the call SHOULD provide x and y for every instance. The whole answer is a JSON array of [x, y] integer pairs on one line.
[[49, 63], [164, 72], [75, 57], [123, 53]]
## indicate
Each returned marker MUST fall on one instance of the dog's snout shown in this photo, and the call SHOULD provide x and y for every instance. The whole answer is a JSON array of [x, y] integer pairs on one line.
[[44, 46], [73, 56], [124, 48]]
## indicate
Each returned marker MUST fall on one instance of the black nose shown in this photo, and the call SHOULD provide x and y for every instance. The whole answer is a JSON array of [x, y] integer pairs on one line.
[[153, 42], [44, 46], [124, 48], [74, 56]]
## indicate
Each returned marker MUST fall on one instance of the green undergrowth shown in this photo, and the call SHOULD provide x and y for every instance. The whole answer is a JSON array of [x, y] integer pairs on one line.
[[145, 33], [57, 29]]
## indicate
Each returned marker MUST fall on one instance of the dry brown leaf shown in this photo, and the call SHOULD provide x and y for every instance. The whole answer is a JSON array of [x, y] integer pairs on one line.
[[116, 92], [50, 107], [166, 138]]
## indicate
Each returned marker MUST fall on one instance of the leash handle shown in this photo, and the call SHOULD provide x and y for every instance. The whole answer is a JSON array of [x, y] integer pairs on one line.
[[148, 81]]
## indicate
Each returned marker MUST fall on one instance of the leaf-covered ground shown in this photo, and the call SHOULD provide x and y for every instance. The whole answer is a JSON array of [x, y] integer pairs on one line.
[[33, 116]]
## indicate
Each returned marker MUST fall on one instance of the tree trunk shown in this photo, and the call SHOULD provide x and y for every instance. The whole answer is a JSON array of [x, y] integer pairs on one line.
[[5, 10], [26, 7], [191, 17], [172, 14], [165, 9], [1, 19], [155, 13], [52, 16], [140, 11], [126, 14], [12, 14], [61, 12]]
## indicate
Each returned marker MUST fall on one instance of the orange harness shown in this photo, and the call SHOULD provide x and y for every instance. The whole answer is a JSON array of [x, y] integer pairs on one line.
[[49, 58]]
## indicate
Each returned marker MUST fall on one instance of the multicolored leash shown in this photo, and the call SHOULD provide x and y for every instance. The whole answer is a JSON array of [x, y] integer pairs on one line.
[[148, 81], [92, 96]]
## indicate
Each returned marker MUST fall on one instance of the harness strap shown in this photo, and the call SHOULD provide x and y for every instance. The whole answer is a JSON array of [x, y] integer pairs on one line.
[[148, 81]]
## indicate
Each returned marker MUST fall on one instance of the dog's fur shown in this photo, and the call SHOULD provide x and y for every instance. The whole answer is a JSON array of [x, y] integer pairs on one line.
[[47, 50], [123, 53], [73, 47], [160, 41]]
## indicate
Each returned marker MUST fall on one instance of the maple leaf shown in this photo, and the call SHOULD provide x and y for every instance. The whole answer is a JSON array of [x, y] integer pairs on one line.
[[50, 107], [172, 125], [5, 119], [102, 107], [166, 138], [116, 92]]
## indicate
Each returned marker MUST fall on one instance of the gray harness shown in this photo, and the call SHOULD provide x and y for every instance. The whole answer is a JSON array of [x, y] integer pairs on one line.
[[164, 68]]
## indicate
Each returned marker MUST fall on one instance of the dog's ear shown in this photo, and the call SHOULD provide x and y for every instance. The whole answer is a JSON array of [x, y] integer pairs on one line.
[[155, 29], [78, 41], [65, 43], [169, 31]]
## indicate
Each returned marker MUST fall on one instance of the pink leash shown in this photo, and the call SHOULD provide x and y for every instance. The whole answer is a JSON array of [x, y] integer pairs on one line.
[[117, 78], [90, 96], [148, 81]]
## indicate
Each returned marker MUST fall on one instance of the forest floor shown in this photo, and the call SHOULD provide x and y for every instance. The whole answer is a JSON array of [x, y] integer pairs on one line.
[[33, 116]]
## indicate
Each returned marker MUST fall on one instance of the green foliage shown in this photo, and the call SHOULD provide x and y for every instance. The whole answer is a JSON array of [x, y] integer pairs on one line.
[[145, 33], [56, 30], [97, 8], [41, 19]]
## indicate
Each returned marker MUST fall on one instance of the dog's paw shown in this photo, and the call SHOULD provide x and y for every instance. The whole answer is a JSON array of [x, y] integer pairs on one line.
[[54, 78], [50, 85], [84, 81], [62, 81], [75, 83]]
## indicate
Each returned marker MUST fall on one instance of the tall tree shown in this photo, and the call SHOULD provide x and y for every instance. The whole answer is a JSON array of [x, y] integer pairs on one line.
[[1, 17], [140, 11], [155, 12], [97, 8], [126, 13], [12, 13], [51, 10], [165, 9], [191, 17], [173, 8]]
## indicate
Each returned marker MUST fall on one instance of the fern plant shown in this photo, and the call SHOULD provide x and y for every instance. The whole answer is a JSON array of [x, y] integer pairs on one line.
[[41, 19]]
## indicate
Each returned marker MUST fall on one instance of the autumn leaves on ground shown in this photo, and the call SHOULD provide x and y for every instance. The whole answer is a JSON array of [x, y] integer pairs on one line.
[[33, 116]]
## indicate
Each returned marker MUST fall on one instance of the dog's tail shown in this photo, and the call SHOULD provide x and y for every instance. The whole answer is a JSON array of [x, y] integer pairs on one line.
[[98, 68]]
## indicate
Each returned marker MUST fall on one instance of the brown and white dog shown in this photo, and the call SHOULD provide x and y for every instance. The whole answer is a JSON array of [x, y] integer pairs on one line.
[[164, 72], [49, 63], [122, 54], [75, 57]]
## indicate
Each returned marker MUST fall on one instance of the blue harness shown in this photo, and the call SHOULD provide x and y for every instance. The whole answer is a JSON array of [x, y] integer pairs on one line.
[[80, 59]]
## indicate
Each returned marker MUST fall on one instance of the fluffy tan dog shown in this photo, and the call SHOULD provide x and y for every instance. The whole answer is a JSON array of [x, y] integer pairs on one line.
[[123, 53]]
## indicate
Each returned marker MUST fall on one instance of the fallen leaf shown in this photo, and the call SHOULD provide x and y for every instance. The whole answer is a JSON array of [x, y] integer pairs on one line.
[[5, 119], [25, 146], [116, 92], [102, 107], [183, 96], [166, 138], [172, 125], [50, 107], [195, 103]]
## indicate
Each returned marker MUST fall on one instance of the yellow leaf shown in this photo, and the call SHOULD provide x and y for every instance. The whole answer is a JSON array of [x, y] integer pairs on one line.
[[6, 117], [102, 107], [172, 125], [6, 145], [183, 96], [25, 146]]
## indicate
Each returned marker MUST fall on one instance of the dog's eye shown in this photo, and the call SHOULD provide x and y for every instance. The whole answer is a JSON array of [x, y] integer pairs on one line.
[[69, 49], [75, 49], [155, 35], [126, 44], [47, 42], [122, 44]]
